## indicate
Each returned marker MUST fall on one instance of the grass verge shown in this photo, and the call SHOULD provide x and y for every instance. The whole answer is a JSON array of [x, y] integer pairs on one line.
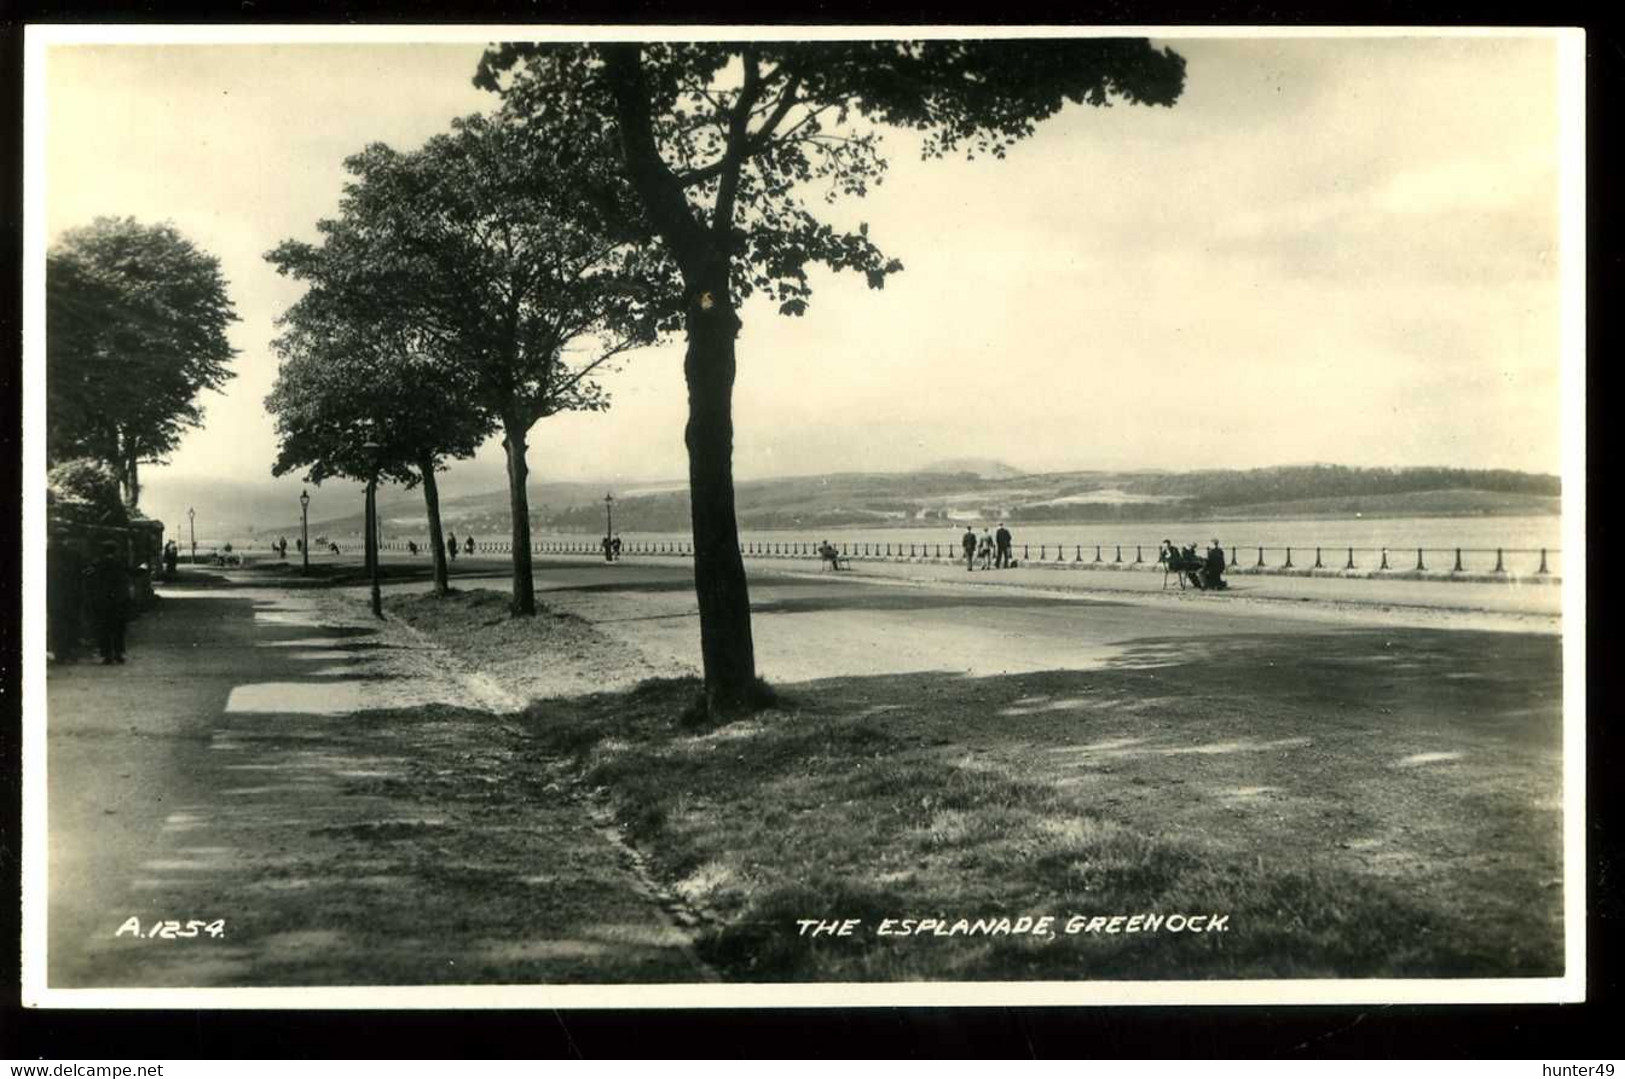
[[1346, 802], [894, 798]]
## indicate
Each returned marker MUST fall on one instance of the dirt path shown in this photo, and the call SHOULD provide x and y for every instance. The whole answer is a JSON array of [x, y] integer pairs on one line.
[[341, 795]]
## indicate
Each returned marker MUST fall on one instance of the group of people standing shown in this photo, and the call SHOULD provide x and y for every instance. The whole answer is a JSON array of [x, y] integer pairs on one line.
[[451, 546], [991, 549]]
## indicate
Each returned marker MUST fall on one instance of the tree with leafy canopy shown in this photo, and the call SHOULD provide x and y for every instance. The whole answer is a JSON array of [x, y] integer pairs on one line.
[[136, 319], [84, 489], [345, 380], [725, 141], [518, 258]]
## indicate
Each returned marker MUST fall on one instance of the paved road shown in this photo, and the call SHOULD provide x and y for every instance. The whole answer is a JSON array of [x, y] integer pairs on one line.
[[887, 619], [1531, 600]]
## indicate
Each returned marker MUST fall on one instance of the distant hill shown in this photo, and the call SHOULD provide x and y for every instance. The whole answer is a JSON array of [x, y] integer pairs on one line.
[[962, 494], [981, 467]]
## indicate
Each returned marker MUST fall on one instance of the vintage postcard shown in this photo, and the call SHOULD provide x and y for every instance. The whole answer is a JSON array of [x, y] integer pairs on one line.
[[649, 517]]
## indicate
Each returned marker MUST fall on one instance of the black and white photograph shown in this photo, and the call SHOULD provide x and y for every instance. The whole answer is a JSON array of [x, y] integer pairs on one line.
[[721, 516]]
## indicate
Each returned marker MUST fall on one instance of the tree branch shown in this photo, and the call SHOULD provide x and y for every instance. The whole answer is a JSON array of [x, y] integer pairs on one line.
[[733, 158], [754, 143], [660, 189]]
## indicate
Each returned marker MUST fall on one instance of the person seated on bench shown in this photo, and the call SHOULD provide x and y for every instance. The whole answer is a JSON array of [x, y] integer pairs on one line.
[[1168, 555], [1213, 570], [1191, 563], [829, 554]]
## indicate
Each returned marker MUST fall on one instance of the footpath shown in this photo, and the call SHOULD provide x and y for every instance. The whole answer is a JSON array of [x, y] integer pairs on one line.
[[1521, 604], [278, 790]]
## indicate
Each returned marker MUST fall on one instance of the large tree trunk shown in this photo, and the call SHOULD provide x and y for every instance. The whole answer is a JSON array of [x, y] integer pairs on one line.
[[368, 527], [726, 645], [702, 253], [132, 480], [437, 539], [524, 585]]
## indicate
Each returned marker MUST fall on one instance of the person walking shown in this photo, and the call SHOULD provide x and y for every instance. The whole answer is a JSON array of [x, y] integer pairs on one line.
[[609, 551], [1002, 539], [172, 557], [468, 545], [109, 588], [984, 549], [615, 547], [451, 546], [967, 543]]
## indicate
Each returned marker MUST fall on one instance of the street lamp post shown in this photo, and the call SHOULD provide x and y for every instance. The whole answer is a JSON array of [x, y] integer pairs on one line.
[[609, 526], [304, 531], [191, 520], [372, 449]]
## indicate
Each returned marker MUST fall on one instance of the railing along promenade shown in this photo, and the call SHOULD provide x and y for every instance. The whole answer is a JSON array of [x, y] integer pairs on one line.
[[1431, 563]]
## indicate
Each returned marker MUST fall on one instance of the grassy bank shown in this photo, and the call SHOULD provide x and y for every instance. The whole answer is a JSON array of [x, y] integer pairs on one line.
[[1353, 803]]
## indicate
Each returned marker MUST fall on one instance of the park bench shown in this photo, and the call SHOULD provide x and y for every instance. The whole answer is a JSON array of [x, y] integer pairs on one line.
[[1176, 565]]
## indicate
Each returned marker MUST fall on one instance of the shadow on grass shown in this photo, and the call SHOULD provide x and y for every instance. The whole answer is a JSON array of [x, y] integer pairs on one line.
[[1283, 781]]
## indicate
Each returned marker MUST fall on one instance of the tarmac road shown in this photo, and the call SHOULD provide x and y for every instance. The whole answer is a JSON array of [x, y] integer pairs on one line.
[[889, 619]]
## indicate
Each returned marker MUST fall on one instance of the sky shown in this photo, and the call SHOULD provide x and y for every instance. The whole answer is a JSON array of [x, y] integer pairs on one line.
[[1337, 250]]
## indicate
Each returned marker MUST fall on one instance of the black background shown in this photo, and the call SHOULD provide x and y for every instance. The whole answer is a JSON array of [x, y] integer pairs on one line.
[[1552, 1033]]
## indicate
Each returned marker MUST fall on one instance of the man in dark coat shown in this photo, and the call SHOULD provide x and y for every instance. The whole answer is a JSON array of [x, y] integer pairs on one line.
[[967, 543], [64, 598], [109, 594], [451, 545], [1002, 537], [1192, 564], [1213, 572]]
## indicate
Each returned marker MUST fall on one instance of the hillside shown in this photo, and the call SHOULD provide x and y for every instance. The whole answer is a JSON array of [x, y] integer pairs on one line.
[[930, 498]]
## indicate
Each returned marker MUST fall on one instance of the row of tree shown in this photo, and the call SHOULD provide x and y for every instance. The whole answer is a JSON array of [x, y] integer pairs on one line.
[[624, 190], [471, 287]]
